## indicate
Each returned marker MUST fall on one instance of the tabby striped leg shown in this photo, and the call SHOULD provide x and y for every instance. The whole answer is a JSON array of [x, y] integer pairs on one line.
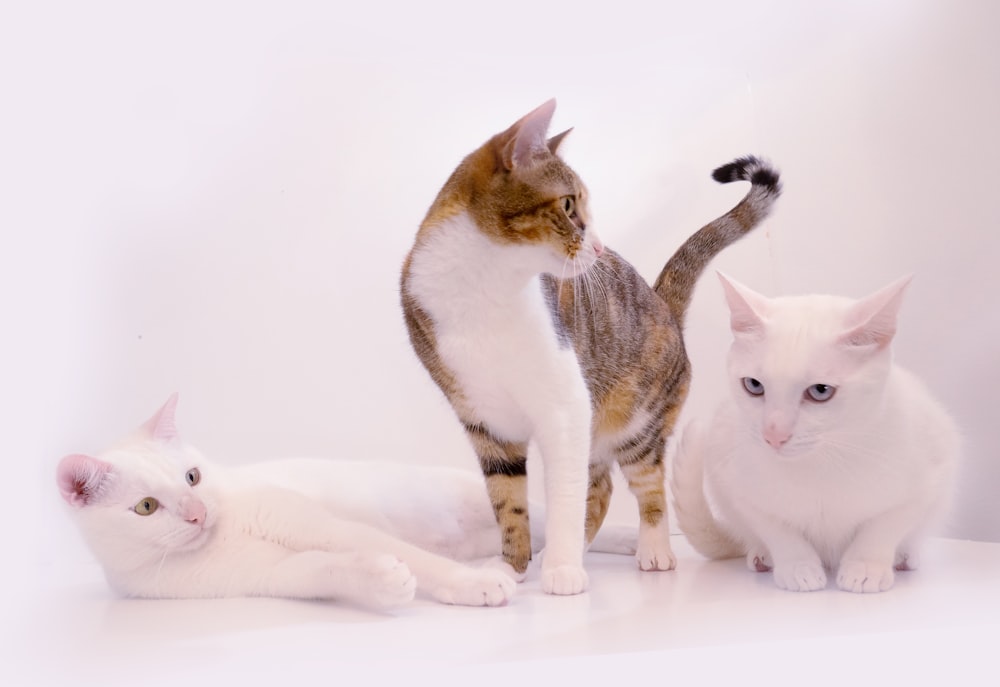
[[647, 481], [598, 499], [505, 467]]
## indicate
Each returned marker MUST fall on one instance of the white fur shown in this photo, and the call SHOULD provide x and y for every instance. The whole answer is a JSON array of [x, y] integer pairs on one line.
[[495, 331], [848, 485], [365, 531]]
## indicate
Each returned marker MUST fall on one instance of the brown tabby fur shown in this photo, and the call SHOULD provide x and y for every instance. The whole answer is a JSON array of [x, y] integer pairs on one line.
[[626, 335]]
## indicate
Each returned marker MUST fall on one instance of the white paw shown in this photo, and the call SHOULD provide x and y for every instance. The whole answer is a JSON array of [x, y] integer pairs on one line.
[[865, 576], [388, 581], [498, 563], [476, 587], [800, 576], [656, 556], [564, 580]]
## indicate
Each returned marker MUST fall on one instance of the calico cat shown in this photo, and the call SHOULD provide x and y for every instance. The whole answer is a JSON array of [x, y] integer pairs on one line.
[[535, 331], [827, 457], [165, 523]]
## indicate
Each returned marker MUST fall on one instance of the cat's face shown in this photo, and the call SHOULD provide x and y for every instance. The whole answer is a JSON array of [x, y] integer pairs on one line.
[[522, 194], [802, 369], [144, 499]]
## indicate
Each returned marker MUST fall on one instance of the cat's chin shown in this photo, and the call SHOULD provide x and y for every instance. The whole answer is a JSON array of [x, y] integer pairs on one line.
[[197, 539]]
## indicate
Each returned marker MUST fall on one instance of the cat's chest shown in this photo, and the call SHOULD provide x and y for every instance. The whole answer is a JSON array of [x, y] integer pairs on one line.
[[493, 328]]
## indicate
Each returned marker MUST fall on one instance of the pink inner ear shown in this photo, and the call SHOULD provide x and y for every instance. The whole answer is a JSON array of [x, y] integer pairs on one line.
[[80, 478], [162, 426]]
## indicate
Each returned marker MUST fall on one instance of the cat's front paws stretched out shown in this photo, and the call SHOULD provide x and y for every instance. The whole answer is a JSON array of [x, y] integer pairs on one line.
[[387, 580], [487, 586], [865, 576]]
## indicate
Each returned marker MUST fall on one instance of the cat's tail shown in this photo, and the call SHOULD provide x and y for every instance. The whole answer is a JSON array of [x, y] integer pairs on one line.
[[694, 515], [675, 284]]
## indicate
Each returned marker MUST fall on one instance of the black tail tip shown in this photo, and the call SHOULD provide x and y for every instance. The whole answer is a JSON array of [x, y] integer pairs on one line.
[[752, 169]]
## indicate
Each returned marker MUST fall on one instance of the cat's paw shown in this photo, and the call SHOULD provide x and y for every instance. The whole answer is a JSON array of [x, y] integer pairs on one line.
[[656, 558], [387, 580], [499, 564], [865, 576], [759, 561], [654, 551], [564, 580], [800, 576], [476, 587]]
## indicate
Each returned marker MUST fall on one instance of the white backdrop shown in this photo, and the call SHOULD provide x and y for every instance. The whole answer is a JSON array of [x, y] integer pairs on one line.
[[216, 199]]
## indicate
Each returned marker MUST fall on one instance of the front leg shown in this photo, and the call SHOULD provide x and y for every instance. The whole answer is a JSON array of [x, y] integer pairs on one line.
[[796, 565], [564, 443], [880, 546], [373, 579], [505, 468], [301, 524]]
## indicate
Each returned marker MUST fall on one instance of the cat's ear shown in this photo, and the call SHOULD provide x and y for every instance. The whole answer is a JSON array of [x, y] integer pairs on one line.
[[81, 479], [554, 142], [747, 309], [521, 142], [871, 322], [162, 427]]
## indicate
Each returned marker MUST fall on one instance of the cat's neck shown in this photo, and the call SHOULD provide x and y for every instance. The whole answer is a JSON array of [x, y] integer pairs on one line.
[[456, 261]]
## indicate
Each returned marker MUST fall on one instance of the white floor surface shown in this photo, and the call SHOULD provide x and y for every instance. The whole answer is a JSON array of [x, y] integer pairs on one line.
[[705, 622]]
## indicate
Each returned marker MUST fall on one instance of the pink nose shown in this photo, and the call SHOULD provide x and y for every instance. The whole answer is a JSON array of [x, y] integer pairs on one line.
[[598, 247], [776, 437], [194, 511]]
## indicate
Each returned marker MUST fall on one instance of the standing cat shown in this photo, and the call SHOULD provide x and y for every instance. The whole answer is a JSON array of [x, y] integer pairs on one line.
[[165, 523], [827, 457], [533, 330]]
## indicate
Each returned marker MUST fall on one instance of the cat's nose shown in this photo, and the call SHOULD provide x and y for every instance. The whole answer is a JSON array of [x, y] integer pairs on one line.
[[194, 511], [776, 437], [597, 245]]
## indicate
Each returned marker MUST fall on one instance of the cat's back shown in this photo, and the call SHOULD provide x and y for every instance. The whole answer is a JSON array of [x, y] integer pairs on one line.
[[387, 494], [919, 419]]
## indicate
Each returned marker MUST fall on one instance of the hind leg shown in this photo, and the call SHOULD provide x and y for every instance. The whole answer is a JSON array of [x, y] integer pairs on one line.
[[598, 499], [647, 481]]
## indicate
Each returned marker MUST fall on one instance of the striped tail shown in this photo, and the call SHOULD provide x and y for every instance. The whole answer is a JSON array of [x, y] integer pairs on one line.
[[676, 282]]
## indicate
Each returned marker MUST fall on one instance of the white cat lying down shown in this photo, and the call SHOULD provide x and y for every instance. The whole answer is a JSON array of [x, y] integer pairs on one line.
[[165, 523]]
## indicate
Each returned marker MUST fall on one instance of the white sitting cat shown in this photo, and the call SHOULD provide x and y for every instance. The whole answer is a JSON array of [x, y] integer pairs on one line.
[[165, 523], [827, 457]]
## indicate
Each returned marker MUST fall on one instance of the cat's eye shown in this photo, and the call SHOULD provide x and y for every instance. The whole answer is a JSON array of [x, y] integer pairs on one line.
[[147, 506], [569, 206], [753, 387], [193, 476], [820, 392]]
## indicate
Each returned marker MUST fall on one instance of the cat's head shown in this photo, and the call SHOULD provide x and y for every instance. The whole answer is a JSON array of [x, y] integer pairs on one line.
[[143, 499], [520, 193], [804, 368]]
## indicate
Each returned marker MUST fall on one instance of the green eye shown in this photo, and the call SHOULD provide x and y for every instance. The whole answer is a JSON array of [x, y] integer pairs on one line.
[[193, 476], [147, 506], [569, 206]]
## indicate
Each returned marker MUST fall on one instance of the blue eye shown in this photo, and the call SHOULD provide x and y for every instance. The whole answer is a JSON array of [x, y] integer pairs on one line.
[[753, 387], [821, 393]]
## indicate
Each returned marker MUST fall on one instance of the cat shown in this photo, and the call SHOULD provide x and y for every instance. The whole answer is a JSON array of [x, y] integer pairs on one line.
[[535, 331], [827, 457], [165, 523]]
